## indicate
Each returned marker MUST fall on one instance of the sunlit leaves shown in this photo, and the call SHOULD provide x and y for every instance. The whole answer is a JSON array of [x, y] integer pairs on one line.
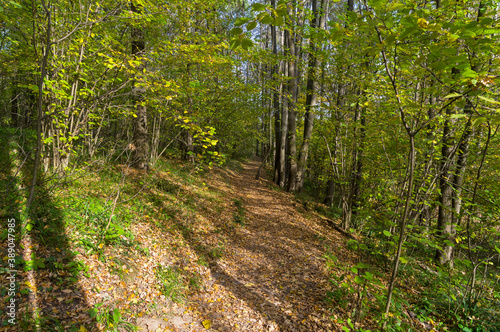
[[240, 21], [489, 100], [258, 7]]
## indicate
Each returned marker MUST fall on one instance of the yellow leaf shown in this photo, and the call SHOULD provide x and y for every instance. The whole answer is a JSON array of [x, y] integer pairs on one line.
[[82, 328], [101, 245], [422, 23], [206, 324]]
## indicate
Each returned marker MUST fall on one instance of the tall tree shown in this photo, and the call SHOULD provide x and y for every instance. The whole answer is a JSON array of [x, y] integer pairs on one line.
[[316, 24], [291, 184], [140, 138]]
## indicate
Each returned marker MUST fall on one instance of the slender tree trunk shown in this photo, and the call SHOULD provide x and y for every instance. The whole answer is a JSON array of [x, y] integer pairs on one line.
[[445, 229], [140, 135], [284, 125], [292, 111], [357, 173], [458, 176], [402, 225], [311, 91], [276, 104], [451, 181], [14, 106], [43, 73], [330, 191]]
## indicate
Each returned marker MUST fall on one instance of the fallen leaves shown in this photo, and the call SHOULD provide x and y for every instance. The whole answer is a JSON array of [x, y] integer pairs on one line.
[[207, 324]]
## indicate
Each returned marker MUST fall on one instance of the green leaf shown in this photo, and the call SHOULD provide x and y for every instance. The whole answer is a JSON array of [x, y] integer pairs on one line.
[[236, 31], [457, 116], [251, 25], [387, 233], [479, 121], [234, 43], [449, 243], [240, 21], [116, 315], [452, 95], [266, 19], [395, 6], [93, 313], [368, 276], [16, 4], [246, 43], [358, 280], [281, 10], [258, 7], [468, 73], [403, 260], [279, 21], [489, 100]]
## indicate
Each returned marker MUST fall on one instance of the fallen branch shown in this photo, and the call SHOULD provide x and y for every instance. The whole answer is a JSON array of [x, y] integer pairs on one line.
[[426, 268], [333, 225]]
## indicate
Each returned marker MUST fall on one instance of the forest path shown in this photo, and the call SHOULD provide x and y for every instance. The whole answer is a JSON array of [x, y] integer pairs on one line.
[[272, 276]]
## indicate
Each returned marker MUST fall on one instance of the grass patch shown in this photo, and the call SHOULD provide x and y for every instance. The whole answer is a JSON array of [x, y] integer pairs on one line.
[[171, 283]]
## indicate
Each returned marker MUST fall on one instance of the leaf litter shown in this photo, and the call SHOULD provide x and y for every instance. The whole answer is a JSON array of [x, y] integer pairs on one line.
[[266, 273]]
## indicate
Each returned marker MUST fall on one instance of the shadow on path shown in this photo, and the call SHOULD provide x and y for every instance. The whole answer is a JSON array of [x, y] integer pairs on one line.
[[48, 295], [272, 265]]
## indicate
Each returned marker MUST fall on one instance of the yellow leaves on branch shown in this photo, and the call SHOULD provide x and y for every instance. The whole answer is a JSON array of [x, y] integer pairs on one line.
[[422, 23]]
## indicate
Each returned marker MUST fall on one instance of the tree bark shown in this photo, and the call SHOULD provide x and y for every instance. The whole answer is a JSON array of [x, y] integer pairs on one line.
[[140, 133], [330, 191], [445, 229], [292, 110], [276, 104], [284, 129], [43, 73], [311, 90]]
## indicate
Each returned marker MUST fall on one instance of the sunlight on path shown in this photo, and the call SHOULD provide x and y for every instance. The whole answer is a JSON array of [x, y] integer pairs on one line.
[[273, 277]]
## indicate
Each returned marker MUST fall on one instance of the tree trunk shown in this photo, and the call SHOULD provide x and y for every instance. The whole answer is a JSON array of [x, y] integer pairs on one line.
[[276, 105], [140, 134], [357, 162], [445, 229], [458, 176], [311, 91], [43, 73], [402, 225], [330, 190], [284, 128], [292, 111]]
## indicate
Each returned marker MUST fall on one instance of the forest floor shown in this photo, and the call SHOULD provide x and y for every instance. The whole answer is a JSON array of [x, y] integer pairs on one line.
[[272, 277], [223, 253]]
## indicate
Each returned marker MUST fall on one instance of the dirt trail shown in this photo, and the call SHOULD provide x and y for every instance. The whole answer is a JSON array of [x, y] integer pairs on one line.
[[271, 277]]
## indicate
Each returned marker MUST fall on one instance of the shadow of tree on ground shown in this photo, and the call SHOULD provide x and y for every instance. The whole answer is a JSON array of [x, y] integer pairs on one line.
[[48, 295]]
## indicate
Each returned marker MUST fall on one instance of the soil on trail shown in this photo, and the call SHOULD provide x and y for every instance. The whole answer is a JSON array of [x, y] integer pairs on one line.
[[272, 275]]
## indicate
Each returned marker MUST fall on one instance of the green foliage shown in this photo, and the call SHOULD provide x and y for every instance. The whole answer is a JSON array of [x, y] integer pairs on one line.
[[112, 320], [171, 283]]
